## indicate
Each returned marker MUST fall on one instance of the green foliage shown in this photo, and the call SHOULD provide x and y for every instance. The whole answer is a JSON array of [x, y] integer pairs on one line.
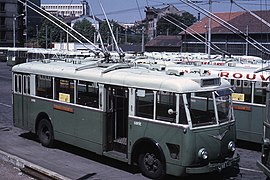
[[124, 35], [85, 28], [165, 27], [105, 31], [56, 34]]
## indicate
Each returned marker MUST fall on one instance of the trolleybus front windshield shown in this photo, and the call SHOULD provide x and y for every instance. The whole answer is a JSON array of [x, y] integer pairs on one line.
[[202, 108], [224, 105]]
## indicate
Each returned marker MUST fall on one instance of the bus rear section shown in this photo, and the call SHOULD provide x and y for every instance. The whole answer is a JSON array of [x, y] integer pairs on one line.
[[164, 124], [264, 163]]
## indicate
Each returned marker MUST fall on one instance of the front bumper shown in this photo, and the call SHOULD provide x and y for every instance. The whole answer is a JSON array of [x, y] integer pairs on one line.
[[211, 167]]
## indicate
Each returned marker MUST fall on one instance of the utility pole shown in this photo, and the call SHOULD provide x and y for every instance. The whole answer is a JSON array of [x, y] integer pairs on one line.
[[37, 34], [209, 30], [14, 31], [143, 39], [26, 24], [14, 28], [247, 41], [46, 32]]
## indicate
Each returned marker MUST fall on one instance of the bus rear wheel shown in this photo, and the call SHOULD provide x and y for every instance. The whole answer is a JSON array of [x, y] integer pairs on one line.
[[151, 165], [45, 133]]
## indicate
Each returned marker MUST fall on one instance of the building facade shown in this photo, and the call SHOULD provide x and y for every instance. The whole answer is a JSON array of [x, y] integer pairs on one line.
[[11, 23], [15, 19], [64, 10], [246, 39], [154, 14]]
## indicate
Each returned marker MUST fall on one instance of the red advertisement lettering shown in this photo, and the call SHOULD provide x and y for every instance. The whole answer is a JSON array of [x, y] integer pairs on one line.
[[263, 78], [251, 78], [237, 75], [224, 74]]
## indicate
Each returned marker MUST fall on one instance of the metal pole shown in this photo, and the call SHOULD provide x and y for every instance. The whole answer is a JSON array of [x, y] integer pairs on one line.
[[37, 34], [112, 39], [46, 30], [247, 41], [209, 30], [142, 39], [26, 25], [14, 31], [126, 36]]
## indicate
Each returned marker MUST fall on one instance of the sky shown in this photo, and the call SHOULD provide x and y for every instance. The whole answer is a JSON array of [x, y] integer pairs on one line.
[[129, 11]]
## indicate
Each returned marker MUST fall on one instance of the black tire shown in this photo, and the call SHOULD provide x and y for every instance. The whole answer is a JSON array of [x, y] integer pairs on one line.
[[151, 165], [45, 133]]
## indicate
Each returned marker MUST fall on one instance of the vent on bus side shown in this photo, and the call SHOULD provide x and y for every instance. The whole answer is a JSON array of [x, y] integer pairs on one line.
[[174, 150], [210, 82]]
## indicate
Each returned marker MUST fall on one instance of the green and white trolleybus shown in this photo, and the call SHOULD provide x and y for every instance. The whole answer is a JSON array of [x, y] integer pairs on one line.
[[163, 122]]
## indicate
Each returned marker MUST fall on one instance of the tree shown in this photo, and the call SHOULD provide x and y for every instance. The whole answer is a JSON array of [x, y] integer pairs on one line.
[[54, 33], [85, 28], [105, 32], [165, 27], [124, 34]]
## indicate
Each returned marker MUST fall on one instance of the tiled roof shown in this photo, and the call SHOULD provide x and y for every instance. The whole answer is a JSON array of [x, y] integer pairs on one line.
[[165, 41], [240, 20]]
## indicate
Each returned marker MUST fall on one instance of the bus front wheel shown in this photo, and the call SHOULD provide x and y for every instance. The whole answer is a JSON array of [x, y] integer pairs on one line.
[[45, 133], [151, 165]]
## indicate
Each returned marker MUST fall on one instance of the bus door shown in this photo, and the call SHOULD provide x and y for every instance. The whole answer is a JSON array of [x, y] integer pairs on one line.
[[117, 118], [25, 99], [20, 107]]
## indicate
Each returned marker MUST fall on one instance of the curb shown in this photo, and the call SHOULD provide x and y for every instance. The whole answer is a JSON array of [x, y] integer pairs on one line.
[[21, 163]]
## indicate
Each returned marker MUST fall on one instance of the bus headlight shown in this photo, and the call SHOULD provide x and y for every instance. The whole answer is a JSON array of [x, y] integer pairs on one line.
[[231, 146], [203, 154]]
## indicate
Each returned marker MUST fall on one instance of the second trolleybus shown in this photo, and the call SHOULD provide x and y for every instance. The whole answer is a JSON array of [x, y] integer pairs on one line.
[[165, 123], [249, 96]]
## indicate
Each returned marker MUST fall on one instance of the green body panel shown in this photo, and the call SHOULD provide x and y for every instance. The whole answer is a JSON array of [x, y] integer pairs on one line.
[[188, 156], [264, 163], [75, 127], [249, 122], [166, 134], [21, 112]]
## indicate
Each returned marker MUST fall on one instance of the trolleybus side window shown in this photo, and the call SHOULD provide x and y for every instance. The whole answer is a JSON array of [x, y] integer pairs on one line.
[[18, 83], [244, 88], [166, 101], [26, 82], [64, 90], [144, 103], [182, 111], [44, 86], [260, 92], [87, 94]]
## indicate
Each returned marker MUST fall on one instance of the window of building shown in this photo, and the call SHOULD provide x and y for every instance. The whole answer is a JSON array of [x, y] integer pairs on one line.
[[87, 94], [3, 35], [2, 6]]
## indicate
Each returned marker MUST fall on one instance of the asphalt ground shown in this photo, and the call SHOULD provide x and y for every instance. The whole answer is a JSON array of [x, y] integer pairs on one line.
[[10, 171]]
